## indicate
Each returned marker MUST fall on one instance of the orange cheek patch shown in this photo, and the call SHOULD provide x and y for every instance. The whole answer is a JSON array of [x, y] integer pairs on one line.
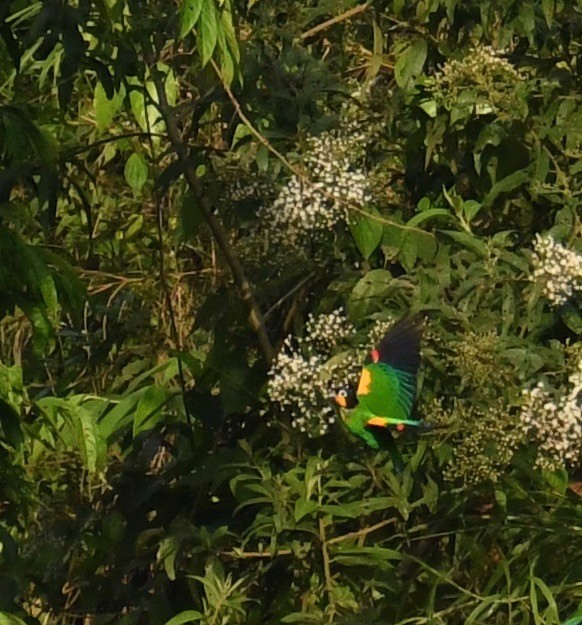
[[340, 400], [365, 381], [401, 427]]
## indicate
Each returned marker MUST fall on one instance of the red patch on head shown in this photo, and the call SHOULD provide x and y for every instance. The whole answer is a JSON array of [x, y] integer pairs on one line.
[[375, 355], [400, 427]]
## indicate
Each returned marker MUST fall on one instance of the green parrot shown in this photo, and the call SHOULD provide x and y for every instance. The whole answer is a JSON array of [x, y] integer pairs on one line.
[[386, 390]]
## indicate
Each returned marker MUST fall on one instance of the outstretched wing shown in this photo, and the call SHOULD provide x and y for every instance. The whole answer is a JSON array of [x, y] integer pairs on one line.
[[400, 347], [387, 384]]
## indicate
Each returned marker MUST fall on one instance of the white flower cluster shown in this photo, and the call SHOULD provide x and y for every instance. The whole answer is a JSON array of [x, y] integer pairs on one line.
[[490, 79], [378, 332], [302, 380], [325, 331], [244, 189], [479, 60], [555, 422], [556, 269], [296, 384], [333, 180]]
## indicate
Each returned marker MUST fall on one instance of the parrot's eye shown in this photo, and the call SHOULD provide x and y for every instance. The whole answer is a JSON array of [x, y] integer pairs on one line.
[[343, 393]]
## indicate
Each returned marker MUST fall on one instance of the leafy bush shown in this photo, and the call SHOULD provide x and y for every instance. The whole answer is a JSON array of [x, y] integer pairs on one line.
[[209, 213]]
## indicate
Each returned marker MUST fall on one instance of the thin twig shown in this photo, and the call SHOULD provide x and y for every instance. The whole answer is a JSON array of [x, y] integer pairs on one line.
[[335, 20], [256, 318], [250, 555], [326, 566], [165, 288], [296, 288], [363, 532]]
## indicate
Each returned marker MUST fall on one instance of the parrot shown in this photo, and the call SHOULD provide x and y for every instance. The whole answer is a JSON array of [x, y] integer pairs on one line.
[[386, 390]]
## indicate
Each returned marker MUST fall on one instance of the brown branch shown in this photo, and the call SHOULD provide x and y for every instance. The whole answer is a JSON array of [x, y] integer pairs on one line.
[[256, 318], [249, 555], [363, 532], [334, 20]]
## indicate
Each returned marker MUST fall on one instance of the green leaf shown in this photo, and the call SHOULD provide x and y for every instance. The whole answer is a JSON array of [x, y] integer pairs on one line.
[[369, 292], [207, 31], [511, 182], [410, 59], [88, 437], [303, 507], [470, 209], [120, 416], [468, 240], [415, 244], [167, 552], [377, 49], [136, 172], [189, 14], [426, 214], [576, 618], [301, 617], [374, 557], [572, 318], [10, 619], [367, 231], [262, 158], [149, 409], [549, 597], [105, 108], [189, 616], [549, 7]]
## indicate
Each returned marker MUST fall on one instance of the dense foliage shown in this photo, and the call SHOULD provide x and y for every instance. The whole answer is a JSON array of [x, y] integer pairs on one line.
[[210, 210]]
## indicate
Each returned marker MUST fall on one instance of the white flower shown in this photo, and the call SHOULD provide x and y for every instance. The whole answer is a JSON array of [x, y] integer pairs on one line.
[[554, 421], [556, 269], [325, 331], [334, 180], [301, 378]]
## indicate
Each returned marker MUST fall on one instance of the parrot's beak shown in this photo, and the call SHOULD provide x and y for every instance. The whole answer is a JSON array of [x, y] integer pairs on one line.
[[340, 400]]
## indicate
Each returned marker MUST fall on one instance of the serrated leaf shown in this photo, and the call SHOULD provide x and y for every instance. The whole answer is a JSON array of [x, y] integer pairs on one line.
[[136, 172]]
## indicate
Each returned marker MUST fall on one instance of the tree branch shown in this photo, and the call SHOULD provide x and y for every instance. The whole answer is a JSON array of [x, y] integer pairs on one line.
[[256, 319], [334, 20]]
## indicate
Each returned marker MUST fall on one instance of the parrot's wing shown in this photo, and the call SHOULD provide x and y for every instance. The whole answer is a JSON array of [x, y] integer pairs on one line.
[[384, 390], [400, 347]]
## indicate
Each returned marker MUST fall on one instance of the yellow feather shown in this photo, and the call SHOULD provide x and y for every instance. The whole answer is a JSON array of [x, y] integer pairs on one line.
[[365, 381]]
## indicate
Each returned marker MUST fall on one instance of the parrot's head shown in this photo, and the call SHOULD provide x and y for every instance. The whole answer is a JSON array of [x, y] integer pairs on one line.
[[346, 398]]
